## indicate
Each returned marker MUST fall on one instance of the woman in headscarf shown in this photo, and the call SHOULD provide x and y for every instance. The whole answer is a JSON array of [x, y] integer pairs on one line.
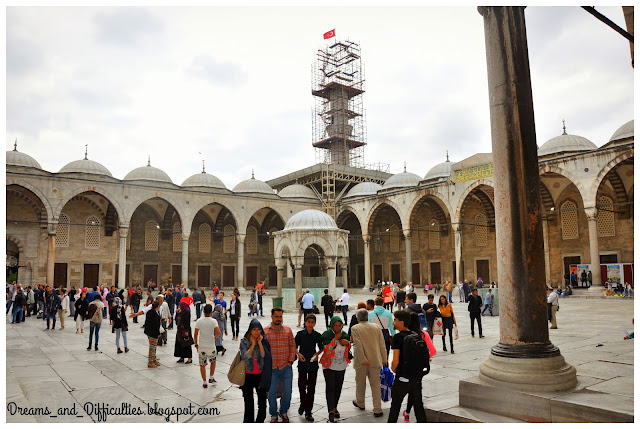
[[255, 351], [218, 314], [152, 331], [82, 308], [335, 358], [119, 323], [184, 339]]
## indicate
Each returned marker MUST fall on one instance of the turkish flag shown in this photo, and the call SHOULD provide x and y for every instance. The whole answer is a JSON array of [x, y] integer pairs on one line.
[[330, 34]]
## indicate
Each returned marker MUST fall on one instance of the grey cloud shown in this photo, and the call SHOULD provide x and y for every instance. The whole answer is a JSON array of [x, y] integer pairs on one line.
[[206, 67], [128, 26], [91, 97], [23, 56]]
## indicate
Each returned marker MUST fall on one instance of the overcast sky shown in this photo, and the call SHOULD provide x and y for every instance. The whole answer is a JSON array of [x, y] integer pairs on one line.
[[232, 86]]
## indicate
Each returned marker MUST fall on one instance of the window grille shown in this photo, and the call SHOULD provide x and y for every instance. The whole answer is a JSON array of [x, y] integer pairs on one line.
[[229, 240], [251, 241], [177, 237], [434, 234], [151, 236], [569, 220], [606, 224], [92, 233], [204, 238], [272, 240], [481, 229], [394, 243], [62, 232]]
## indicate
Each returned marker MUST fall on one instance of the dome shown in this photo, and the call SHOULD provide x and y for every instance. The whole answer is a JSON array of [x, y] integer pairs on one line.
[[204, 180], [442, 170], [310, 219], [253, 186], [623, 132], [85, 166], [297, 191], [21, 159], [402, 180], [566, 143], [364, 188], [148, 173]]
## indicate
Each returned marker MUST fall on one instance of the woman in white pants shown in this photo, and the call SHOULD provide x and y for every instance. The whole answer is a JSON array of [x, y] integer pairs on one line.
[[82, 308]]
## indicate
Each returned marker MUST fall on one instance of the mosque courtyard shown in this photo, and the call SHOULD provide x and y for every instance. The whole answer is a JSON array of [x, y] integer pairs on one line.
[[53, 370]]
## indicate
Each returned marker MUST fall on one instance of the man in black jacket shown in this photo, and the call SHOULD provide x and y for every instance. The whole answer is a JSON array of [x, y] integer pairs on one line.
[[475, 306], [135, 303], [327, 305], [431, 310]]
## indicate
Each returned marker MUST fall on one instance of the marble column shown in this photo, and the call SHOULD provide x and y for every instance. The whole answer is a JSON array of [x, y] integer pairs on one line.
[[280, 275], [331, 276], [185, 262], [240, 238], [458, 253], [122, 258], [547, 261], [289, 269], [524, 359], [407, 257], [298, 275], [344, 271], [367, 262], [51, 257], [594, 251]]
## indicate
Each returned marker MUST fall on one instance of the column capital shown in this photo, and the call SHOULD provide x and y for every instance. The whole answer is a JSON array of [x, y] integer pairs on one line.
[[592, 214], [366, 239], [241, 237], [407, 233]]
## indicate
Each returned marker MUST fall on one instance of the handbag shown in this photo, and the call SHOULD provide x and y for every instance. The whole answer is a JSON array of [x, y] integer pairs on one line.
[[184, 341], [455, 332], [437, 327], [385, 331], [386, 381], [237, 371]]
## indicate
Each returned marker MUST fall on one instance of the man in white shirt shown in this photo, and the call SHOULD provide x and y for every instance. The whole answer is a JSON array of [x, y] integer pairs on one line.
[[344, 302], [552, 302], [307, 303], [204, 337]]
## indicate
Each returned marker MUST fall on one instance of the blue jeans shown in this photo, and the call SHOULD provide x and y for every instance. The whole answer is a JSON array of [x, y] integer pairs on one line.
[[48, 315], [17, 314], [124, 335], [486, 307], [450, 295], [94, 327], [9, 307], [286, 374]]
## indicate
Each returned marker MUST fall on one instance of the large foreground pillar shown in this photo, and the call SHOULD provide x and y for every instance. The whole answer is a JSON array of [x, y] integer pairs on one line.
[[524, 359], [367, 263], [594, 251]]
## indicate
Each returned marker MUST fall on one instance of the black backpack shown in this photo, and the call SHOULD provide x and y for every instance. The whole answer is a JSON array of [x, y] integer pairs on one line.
[[415, 355]]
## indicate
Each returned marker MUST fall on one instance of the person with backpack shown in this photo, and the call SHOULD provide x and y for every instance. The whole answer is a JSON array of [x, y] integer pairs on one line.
[[369, 357], [94, 314], [410, 362], [328, 305], [383, 318], [416, 327], [431, 312]]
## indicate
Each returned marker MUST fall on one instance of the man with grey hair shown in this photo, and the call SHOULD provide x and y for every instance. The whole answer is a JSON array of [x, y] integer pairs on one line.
[[370, 354]]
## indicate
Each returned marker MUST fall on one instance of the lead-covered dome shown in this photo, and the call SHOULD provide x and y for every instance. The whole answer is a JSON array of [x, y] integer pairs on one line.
[[364, 188], [310, 219], [203, 180], [297, 191], [440, 171], [253, 185], [624, 132], [402, 180], [86, 166], [21, 159], [148, 173], [566, 143]]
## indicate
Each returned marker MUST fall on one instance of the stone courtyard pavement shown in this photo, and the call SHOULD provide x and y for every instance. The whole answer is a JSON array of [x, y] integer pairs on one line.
[[53, 369]]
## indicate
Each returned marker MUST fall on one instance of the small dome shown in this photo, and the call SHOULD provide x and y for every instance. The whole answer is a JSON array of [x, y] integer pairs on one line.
[[310, 219], [566, 143], [85, 166], [402, 180], [204, 180], [364, 188], [442, 170], [253, 185], [148, 173], [623, 132], [21, 159], [297, 191]]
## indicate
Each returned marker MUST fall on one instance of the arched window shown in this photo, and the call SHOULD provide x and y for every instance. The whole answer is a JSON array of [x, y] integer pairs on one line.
[[151, 236], [229, 240], [251, 241], [204, 238], [92, 233], [480, 222], [434, 234], [62, 232], [271, 240], [606, 224], [177, 237], [569, 220], [394, 244]]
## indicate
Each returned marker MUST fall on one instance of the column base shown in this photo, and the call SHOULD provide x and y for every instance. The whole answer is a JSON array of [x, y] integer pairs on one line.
[[541, 374]]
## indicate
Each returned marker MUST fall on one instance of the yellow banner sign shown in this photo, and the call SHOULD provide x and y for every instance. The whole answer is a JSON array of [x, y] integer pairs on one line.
[[474, 173]]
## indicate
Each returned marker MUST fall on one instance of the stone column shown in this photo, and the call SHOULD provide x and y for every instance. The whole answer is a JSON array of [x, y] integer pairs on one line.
[[51, 257], [344, 270], [367, 262], [594, 251], [240, 238], [331, 276], [122, 258], [547, 263], [407, 257], [280, 275], [298, 276], [185, 262], [289, 269], [524, 359], [458, 252]]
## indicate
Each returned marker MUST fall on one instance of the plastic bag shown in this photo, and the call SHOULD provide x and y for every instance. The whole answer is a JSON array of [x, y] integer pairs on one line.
[[437, 327], [455, 332], [386, 381]]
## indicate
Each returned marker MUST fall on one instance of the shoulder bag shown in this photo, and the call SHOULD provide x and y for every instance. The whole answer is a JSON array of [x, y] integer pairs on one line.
[[237, 370]]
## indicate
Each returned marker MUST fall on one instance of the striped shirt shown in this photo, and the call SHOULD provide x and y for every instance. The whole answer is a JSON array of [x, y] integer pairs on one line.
[[283, 345]]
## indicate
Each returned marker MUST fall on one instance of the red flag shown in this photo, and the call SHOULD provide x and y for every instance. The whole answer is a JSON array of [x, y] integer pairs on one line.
[[330, 34]]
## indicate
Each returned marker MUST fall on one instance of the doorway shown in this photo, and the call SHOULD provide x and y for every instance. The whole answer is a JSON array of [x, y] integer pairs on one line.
[[377, 274], [229, 276], [204, 276], [482, 269], [570, 260], [273, 276], [436, 275], [251, 276], [60, 274], [360, 275], [395, 273], [91, 275], [415, 274], [150, 273], [176, 274]]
